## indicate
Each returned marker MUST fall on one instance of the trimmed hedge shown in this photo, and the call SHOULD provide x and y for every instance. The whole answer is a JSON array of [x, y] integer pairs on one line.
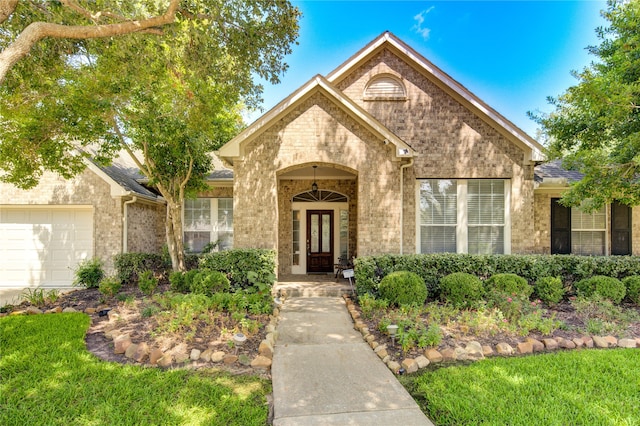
[[633, 288], [509, 283], [461, 289], [130, 265], [549, 289], [607, 287], [247, 269], [403, 288], [369, 270]]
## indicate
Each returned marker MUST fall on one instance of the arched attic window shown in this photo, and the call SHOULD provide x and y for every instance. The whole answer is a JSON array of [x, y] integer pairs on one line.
[[320, 195], [385, 88]]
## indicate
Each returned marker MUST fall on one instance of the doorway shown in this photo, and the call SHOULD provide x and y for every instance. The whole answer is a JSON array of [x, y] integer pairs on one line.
[[320, 241]]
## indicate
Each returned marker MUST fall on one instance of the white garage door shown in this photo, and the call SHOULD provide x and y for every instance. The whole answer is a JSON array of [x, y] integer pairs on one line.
[[42, 246]]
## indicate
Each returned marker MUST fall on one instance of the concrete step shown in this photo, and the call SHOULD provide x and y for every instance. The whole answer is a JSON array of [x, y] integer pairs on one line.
[[312, 289]]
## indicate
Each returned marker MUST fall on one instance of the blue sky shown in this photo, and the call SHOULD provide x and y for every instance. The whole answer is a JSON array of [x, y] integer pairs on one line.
[[511, 54]]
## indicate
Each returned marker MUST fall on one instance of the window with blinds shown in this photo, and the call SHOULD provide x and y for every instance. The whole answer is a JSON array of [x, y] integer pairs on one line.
[[463, 215], [588, 232], [384, 88], [438, 215], [208, 220], [485, 213]]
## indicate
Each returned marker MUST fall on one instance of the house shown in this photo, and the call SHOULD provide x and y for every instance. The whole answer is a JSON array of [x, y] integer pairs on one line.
[[385, 154]]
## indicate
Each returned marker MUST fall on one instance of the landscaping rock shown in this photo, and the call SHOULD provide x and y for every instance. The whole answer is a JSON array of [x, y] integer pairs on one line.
[[600, 342], [422, 361], [195, 354], [373, 344], [433, 355], [524, 348], [266, 349], [141, 353], [90, 311], [229, 359], [244, 359], [370, 338], [487, 350], [536, 345], [32, 310], [113, 315], [380, 348], [386, 359], [627, 343], [565, 344], [474, 351], [165, 361], [261, 363], [382, 352], [504, 348], [271, 338], [461, 354], [612, 341], [550, 344], [217, 356], [393, 366], [112, 334], [588, 341], [55, 310], [578, 342], [121, 343], [410, 365], [270, 328], [206, 355], [69, 310], [15, 313], [448, 355], [180, 353], [131, 350], [155, 355]]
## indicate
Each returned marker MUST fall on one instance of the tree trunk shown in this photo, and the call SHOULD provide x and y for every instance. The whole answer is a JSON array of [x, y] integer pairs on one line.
[[173, 229]]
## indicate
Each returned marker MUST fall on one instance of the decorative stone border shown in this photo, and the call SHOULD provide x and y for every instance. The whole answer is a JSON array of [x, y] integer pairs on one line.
[[474, 351], [179, 355]]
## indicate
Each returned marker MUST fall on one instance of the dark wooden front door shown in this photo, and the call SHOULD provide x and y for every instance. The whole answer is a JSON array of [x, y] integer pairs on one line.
[[620, 229], [560, 228], [320, 241]]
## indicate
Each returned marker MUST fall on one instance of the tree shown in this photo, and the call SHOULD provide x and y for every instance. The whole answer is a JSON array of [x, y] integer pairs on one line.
[[595, 127], [172, 95]]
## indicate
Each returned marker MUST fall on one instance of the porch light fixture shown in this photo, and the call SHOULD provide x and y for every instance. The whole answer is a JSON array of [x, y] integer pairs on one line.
[[314, 185]]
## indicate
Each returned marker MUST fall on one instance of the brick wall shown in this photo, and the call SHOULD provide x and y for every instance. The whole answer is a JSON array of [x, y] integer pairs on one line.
[[146, 232]]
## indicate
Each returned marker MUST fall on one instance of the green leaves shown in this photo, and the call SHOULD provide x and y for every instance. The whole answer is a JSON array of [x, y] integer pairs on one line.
[[596, 123]]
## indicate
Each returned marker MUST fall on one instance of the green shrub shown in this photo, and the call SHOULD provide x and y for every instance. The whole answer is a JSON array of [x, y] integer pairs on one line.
[[89, 273], [369, 305], [607, 287], [178, 282], [633, 288], [549, 289], [461, 289], [209, 283], [110, 286], [147, 282], [509, 283], [403, 288], [247, 269]]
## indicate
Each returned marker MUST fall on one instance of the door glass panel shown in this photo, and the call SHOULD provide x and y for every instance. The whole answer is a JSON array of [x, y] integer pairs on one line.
[[315, 235], [326, 231]]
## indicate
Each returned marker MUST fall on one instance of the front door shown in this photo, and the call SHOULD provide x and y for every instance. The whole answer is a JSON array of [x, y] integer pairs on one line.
[[319, 240], [620, 229]]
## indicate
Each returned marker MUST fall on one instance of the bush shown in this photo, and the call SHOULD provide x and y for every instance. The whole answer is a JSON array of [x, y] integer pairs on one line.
[[147, 282], [549, 289], [247, 269], [178, 282], [110, 286], [633, 288], [209, 282], [403, 288], [607, 287], [89, 273], [509, 283], [461, 289]]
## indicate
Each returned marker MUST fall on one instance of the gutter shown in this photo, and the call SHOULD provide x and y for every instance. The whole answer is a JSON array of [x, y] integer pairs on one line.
[[402, 167], [125, 223]]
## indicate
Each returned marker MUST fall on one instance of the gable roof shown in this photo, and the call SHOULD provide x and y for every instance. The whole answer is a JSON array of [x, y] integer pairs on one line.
[[553, 172], [234, 149], [387, 40]]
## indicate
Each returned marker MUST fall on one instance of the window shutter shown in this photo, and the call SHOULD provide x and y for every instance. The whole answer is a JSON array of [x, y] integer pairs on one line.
[[620, 229]]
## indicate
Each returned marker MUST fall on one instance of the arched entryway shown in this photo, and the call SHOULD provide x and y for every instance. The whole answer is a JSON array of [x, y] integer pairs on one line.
[[317, 223]]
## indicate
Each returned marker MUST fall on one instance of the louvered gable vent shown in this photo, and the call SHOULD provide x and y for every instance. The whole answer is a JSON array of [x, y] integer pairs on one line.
[[384, 88]]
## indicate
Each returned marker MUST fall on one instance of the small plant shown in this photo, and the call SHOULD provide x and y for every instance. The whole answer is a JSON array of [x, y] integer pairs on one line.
[[461, 289], [598, 313], [549, 289], [34, 296], [53, 296], [403, 288], [633, 288], [89, 273], [149, 311], [369, 305], [607, 287], [110, 286], [432, 337], [209, 283], [177, 282], [509, 283], [147, 282]]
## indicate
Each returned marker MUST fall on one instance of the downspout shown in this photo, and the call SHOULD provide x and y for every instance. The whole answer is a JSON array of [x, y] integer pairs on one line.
[[125, 226], [402, 167]]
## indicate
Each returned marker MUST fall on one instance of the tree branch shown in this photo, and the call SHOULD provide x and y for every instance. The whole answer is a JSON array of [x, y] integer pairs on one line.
[[7, 7], [127, 148], [37, 31]]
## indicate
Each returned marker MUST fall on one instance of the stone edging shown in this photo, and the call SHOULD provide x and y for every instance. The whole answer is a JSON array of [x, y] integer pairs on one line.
[[474, 351], [180, 355]]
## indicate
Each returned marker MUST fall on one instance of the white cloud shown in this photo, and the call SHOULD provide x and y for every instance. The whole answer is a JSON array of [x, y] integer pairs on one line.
[[420, 18]]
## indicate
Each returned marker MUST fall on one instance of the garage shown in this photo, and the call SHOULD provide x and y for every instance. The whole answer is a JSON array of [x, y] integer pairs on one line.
[[41, 246]]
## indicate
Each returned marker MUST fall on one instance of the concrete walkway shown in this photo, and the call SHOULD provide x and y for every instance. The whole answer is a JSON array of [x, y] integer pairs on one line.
[[324, 373]]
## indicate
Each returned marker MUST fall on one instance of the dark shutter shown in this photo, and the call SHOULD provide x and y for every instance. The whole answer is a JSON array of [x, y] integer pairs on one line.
[[620, 229], [560, 228]]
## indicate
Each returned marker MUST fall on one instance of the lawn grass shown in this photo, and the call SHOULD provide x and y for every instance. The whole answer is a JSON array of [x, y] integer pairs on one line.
[[48, 377], [588, 387]]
